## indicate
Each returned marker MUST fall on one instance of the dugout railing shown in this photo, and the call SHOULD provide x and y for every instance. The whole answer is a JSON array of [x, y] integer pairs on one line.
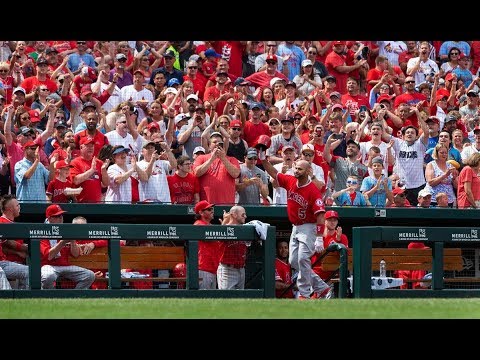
[[32, 233], [434, 237]]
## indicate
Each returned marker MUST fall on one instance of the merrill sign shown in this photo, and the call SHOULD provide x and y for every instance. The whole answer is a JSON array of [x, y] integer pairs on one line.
[[472, 236], [170, 234], [412, 236], [221, 235], [112, 233], [53, 233]]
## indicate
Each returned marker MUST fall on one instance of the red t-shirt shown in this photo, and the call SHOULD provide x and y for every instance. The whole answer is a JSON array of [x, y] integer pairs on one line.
[[182, 189], [208, 253], [92, 187], [327, 240], [56, 189], [283, 272], [98, 140]]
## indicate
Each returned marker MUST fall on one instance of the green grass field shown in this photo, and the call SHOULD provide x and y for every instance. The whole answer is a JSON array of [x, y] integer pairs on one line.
[[239, 309]]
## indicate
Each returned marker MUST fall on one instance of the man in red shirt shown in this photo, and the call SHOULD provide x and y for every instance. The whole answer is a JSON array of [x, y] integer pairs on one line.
[[54, 257], [207, 250], [184, 186], [91, 119], [283, 272], [305, 210]]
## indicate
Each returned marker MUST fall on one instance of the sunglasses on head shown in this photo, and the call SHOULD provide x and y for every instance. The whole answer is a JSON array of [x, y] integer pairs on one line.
[[354, 182]]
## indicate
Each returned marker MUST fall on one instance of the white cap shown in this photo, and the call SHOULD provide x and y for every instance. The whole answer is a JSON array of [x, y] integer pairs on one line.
[[306, 62], [198, 148], [19, 88], [308, 147], [171, 90], [424, 192], [180, 117], [274, 80], [192, 96]]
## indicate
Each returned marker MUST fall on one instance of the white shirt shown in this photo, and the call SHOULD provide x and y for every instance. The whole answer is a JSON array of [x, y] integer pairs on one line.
[[156, 188], [129, 93], [118, 192]]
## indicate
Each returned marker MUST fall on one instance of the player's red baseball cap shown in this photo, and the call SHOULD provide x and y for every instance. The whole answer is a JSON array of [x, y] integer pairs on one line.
[[331, 214], [202, 205], [54, 210]]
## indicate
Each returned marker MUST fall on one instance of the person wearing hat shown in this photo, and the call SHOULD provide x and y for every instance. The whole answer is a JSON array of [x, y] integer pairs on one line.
[[55, 257], [318, 66], [124, 77], [124, 178], [424, 198], [399, 198], [288, 136], [40, 79], [333, 234], [291, 101], [308, 79], [12, 266], [199, 150], [218, 94], [154, 187], [30, 175], [56, 188], [444, 138], [377, 188], [198, 79], [469, 111], [237, 147], [475, 144], [137, 93], [263, 78], [317, 175], [252, 184], [270, 49], [80, 57], [462, 72], [168, 69], [216, 170], [190, 135], [285, 167], [207, 250], [89, 173]]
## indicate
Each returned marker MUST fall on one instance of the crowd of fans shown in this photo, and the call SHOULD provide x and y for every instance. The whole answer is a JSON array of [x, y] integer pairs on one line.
[[383, 123]]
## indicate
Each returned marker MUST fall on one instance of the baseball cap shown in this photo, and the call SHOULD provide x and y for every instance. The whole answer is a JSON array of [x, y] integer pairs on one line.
[[257, 105], [240, 81], [424, 192], [211, 52], [338, 42], [171, 90], [472, 93], [417, 245], [86, 89], [291, 83], [88, 104], [173, 81], [41, 61], [216, 133], [449, 118], [335, 93], [181, 117], [62, 164], [433, 119], [377, 160], [337, 106], [202, 205], [51, 50], [54, 210], [34, 115], [120, 149], [235, 124], [271, 57], [192, 96], [29, 144], [19, 88], [148, 143], [441, 81], [120, 56], [169, 53], [330, 77], [274, 80], [308, 147], [86, 141], [251, 153], [60, 124], [398, 191], [289, 119], [152, 125], [331, 214], [199, 149], [25, 130], [307, 62], [353, 142], [449, 76], [384, 97], [140, 71], [288, 147]]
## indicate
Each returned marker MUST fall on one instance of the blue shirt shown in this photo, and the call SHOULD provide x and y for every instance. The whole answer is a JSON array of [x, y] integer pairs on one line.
[[75, 59], [32, 189]]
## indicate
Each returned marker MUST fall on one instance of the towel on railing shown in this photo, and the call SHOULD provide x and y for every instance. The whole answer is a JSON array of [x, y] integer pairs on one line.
[[260, 227]]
